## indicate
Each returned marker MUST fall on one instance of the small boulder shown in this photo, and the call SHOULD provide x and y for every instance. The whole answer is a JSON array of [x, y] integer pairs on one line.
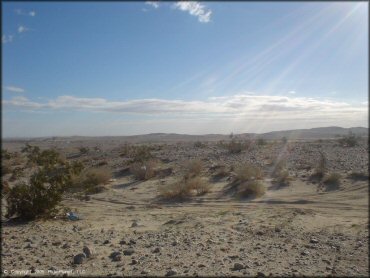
[[79, 258]]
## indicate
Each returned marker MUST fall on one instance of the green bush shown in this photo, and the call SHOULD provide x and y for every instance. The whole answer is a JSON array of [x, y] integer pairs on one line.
[[43, 193]]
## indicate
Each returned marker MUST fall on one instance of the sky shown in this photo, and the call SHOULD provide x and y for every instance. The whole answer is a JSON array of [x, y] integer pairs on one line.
[[125, 68]]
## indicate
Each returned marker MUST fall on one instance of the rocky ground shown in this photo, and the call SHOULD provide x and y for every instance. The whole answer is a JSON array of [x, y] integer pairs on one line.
[[126, 230]]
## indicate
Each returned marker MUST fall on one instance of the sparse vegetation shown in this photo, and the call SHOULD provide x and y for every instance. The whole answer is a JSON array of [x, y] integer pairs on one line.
[[221, 171], [261, 142], [321, 168], [143, 170], [199, 144], [283, 178], [193, 168], [251, 189], [5, 167], [248, 172], [91, 180], [332, 181], [184, 189], [140, 153], [84, 150], [235, 147], [351, 140]]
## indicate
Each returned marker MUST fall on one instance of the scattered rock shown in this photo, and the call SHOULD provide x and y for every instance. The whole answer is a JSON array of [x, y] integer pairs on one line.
[[66, 246], [305, 253], [157, 250], [238, 266], [79, 258], [314, 241], [115, 256], [171, 272], [89, 251], [128, 252]]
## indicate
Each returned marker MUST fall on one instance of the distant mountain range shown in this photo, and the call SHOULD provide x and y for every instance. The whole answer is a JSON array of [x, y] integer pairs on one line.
[[296, 134]]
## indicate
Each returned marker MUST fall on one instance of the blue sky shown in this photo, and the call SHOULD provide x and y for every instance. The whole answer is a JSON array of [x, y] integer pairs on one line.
[[185, 67]]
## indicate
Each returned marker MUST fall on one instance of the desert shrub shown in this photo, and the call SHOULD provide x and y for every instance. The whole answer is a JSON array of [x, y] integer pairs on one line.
[[283, 178], [143, 170], [261, 142], [321, 168], [279, 166], [221, 171], [43, 193], [332, 181], [235, 146], [197, 184], [184, 189], [91, 180], [199, 144], [193, 168], [174, 192], [126, 150], [5, 167], [96, 176], [350, 140], [102, 163], [5, 154], [84, 150], [251, 189], [248, 172], [16, 173], [359, 176], [5, 188], [284, 140], [141, 154]]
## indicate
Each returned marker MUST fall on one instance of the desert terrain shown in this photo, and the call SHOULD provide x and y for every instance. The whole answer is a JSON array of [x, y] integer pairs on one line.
[[300, 227]]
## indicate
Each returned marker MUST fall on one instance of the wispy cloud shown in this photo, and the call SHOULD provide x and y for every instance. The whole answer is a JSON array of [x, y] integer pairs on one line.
[[21, 12], [195, 9], [22, 29], [241, 106], [153, 4], [7, 38], [14, 89]]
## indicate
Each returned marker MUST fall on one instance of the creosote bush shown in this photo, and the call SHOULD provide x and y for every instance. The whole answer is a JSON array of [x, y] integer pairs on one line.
[[41, 196]]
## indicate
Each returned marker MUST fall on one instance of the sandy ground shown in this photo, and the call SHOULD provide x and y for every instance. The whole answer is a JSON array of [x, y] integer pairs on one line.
[[290, 231]]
